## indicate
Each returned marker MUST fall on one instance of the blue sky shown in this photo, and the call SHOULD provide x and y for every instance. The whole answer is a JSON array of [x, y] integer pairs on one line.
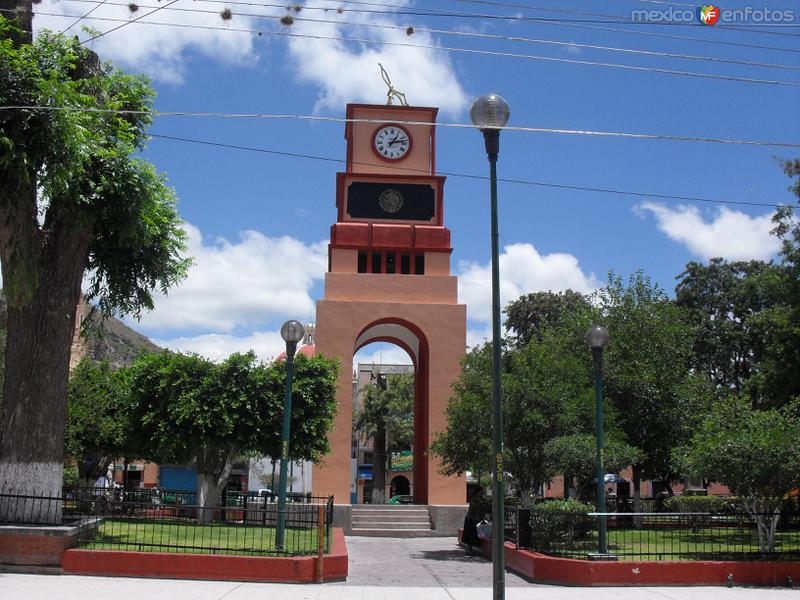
[[259, 223]]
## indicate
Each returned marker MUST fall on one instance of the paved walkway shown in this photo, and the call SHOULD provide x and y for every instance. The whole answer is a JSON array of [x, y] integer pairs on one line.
[[381, 569], [418, 562]]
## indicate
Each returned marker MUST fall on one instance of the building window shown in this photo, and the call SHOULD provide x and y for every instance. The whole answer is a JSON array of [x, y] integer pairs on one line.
[[405, 264], [376, 262], [390, 262], [362, 262], [419, 264]]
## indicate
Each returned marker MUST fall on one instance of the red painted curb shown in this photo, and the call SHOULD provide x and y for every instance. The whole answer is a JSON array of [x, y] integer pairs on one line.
[[297, 569], [565, 571]]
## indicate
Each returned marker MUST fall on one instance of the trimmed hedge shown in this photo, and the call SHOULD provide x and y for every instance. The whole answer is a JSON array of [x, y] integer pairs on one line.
[[559, 522], [699, 504]]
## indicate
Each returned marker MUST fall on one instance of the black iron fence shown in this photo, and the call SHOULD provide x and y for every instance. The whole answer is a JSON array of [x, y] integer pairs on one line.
[[658, 536], [145, 520]]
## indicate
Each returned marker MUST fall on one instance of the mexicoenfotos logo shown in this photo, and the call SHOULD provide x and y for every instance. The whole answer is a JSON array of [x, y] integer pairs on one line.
[[708, 15], [711, 14]]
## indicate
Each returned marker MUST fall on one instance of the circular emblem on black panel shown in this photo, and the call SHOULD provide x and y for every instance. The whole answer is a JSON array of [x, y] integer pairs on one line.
[[390, 201]]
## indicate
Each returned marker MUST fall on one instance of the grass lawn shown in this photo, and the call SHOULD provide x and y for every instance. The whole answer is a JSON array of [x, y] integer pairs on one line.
[[683, 544], [217, 538]]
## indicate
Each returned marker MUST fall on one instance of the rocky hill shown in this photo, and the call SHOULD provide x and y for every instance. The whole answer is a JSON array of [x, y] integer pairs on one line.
[[105, 339]]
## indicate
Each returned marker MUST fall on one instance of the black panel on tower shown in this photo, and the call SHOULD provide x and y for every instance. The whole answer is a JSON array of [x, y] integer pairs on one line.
[[400, 201]]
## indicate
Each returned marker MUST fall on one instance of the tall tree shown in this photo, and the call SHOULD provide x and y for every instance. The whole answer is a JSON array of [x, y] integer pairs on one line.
[[187, 409], [575, 454], [780, 365], [755, 453], [546, 394], [466, 443], [98, 418], [646, 372], [529, 316], [387, 417], [72, 200], [724, 302]]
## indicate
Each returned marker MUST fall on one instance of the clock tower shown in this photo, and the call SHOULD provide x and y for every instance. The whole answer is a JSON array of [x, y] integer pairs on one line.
[[389, 280]]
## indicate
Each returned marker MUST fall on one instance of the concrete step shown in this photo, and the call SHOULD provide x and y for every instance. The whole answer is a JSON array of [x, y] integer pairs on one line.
[[390, 514], [395, 533], [391, 525]]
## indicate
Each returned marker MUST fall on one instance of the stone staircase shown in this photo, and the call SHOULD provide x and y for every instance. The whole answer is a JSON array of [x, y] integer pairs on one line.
[[389, 520]]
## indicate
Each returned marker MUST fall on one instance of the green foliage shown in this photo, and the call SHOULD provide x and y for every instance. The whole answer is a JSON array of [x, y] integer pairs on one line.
[[558, 522], [646, 368], [755, 453], [71, 476], [186, 408], [531, 315], [726, 303], [466, 444], [81, 163], [699, 504], [390, 409], [98, 413], [546, 393], [575, 454]]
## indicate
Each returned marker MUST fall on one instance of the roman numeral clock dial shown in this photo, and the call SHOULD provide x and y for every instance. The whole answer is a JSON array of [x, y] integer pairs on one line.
[[392, 142]]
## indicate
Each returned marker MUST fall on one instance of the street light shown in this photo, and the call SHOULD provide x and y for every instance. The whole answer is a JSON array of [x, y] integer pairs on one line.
[[291, 332], [490, 113], [597, 338]]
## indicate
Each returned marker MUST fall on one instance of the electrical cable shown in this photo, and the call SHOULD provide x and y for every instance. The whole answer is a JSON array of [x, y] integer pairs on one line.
[[471, 176], [541, 21], [319, 118], [636, 68], [125, 24], [79, 19], [482, 36]]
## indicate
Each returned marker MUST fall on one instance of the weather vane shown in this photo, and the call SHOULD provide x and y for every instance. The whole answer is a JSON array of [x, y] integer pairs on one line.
[[392, 93]]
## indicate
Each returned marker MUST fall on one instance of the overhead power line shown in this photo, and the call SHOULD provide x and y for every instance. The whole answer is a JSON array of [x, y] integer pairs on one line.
[[473, 34], [126, 23], [573, 61], [539, 21], [528, 182], [79, 19], [624, 19], [287, 117]]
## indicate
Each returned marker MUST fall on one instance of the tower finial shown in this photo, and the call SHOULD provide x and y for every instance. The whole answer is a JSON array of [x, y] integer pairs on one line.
[[392, 92]]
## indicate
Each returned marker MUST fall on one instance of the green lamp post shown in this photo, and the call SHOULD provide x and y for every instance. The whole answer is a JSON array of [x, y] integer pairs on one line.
[[291, 332], [490, 113], [596, 339]]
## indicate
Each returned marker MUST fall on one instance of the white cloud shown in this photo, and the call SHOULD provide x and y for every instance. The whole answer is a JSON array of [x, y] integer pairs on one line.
[[254, 281], [478, 337], [158, 51], [522, 270], [730, 234], [266, 344], [348, 71]]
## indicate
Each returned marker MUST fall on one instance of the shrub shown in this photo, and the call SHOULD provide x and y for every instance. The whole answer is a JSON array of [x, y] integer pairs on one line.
[[697, 504], [559, 522]]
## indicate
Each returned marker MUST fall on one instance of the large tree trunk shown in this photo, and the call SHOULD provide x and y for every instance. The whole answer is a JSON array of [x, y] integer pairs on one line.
[[42, 271], [33, 415], [379, 467], [212, 475]]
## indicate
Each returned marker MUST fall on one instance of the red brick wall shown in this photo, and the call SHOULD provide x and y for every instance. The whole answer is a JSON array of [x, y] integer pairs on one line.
[[33, 549]]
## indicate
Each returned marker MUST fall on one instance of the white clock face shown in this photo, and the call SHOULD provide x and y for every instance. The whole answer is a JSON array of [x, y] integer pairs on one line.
[[392, 142]]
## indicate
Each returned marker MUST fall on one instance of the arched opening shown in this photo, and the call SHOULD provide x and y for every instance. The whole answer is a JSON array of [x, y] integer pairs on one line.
[[389, 353], [383, 421], [400, 486]]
